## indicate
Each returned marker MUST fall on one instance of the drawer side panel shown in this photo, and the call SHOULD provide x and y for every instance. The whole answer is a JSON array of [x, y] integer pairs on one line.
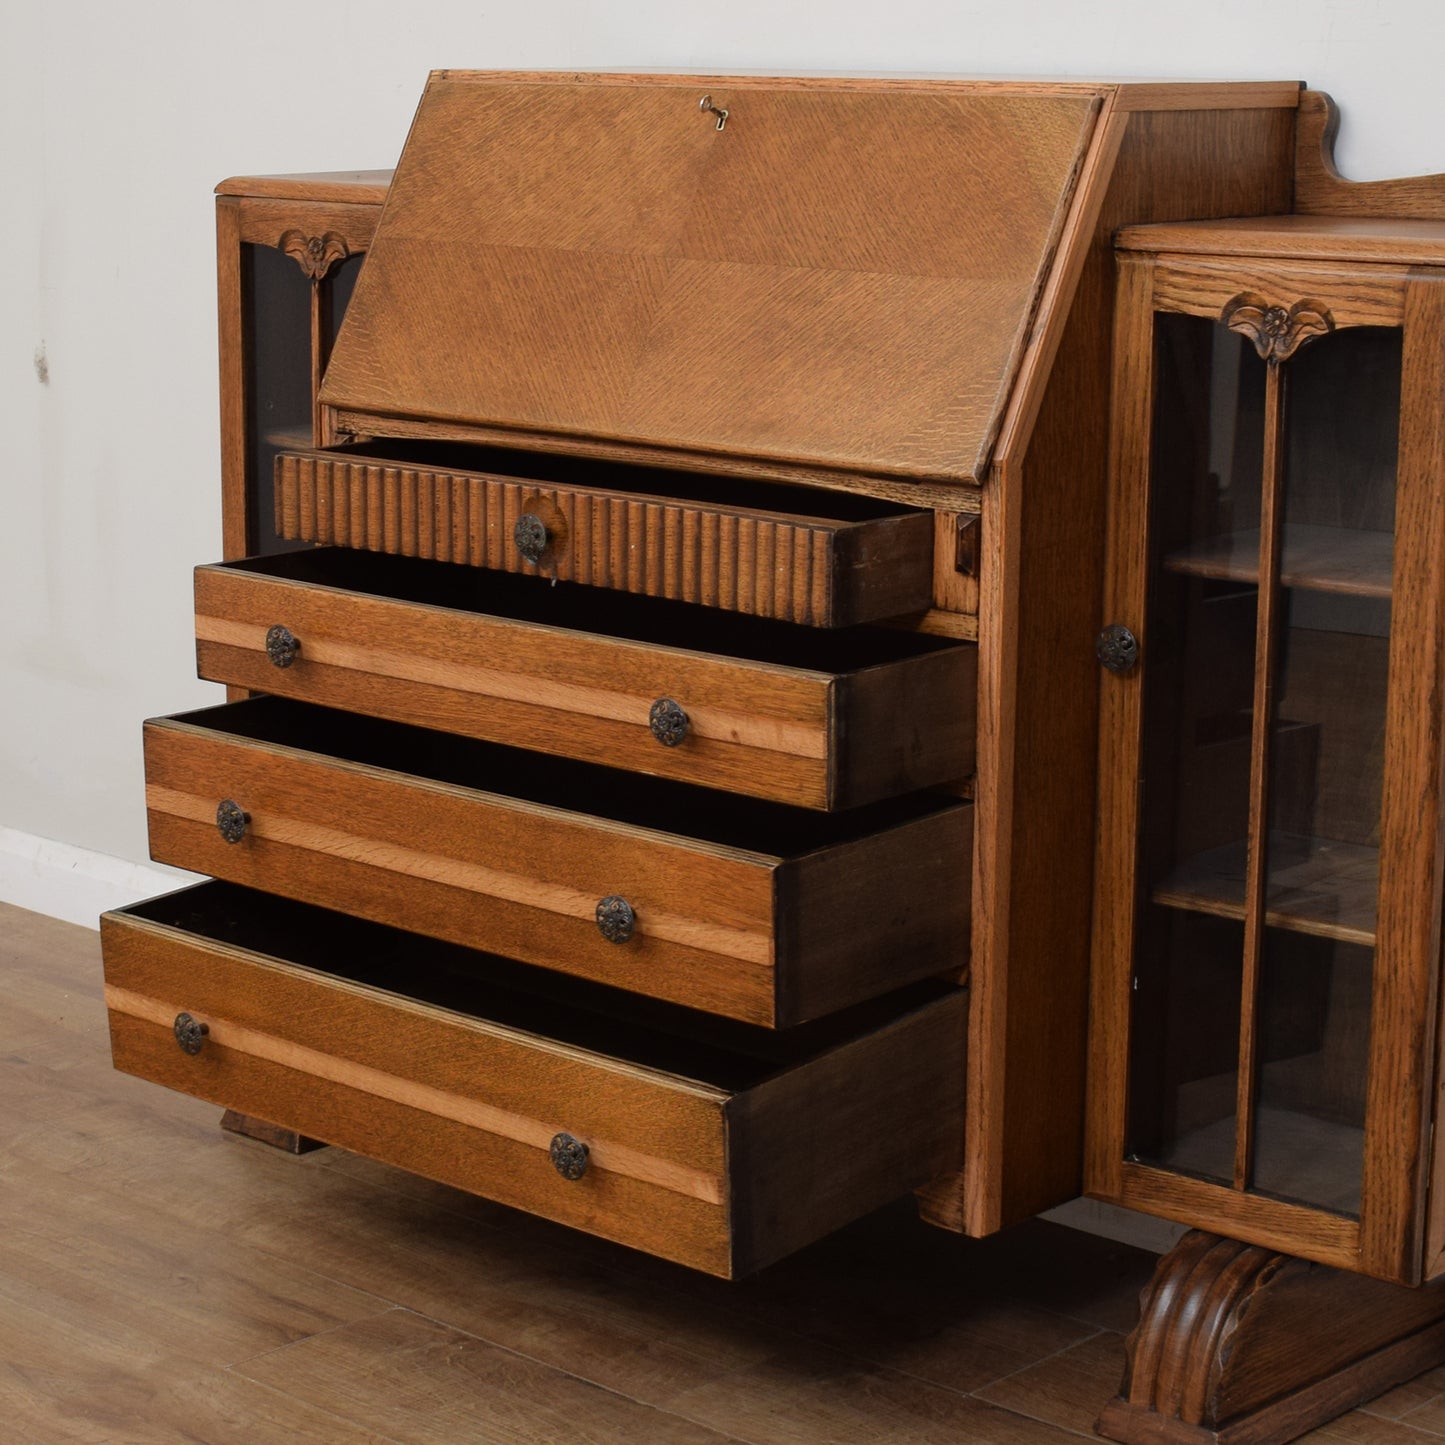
[[820, 1146]]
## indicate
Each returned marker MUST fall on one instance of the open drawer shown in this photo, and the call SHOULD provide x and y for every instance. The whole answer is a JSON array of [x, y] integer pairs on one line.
[[798, 554], [820, 719], [714, 1144], [753, 910]]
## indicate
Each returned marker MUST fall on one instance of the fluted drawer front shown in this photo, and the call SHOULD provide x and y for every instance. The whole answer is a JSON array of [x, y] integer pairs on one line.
[[748, 909], [722, 1150], [823, 720], [824, 559]]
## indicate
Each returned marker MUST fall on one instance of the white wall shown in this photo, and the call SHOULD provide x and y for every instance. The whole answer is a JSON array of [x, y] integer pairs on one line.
[[117, 121]]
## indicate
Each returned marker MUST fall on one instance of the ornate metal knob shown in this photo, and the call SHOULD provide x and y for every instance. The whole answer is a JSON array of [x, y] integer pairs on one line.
[[615, 918], [569, 1156], [530, 536], [190, 1033], [669, 723], [282, 645], [231, 820], [1117, 648]]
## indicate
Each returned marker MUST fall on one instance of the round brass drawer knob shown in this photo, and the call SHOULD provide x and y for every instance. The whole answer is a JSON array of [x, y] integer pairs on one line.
[[190, 1033], [615, 918], [530, 536], [669, 723], [231, 820], [282, 645], [569, 1156], [1117, 648]]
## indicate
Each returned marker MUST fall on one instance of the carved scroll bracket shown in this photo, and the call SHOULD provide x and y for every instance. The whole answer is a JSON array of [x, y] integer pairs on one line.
[[1239, 1345], [315, 255], [1276, 332]]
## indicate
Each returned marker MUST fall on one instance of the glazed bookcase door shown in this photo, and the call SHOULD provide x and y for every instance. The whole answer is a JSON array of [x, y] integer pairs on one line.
[[293, 300], [286, 271], [1269, 891]]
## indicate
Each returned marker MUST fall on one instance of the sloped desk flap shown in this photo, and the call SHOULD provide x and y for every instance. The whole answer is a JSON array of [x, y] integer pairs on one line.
[[838, 278]]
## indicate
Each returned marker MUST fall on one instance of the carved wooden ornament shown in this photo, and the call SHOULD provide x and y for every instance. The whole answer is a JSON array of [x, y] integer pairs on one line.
[[1240, 1345], [316, 255], [1276, 333]]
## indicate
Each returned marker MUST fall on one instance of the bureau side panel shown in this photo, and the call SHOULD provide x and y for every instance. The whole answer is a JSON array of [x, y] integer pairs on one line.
[[1044, 519]]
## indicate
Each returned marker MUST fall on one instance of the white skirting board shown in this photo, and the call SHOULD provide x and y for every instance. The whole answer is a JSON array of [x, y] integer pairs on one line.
[[73, 883]]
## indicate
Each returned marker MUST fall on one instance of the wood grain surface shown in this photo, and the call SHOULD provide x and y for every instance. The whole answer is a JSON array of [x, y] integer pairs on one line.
[[165, 1282], [797, 733], [1321, 190], [1121, 702], [267, 222], [1358, 240], [1389, 1238], [1242, 1346], [1404, 1014], [424, 1089], [1373, 296], [680, 1168], [1039, 612], [643, 277], [236, 540], [351, 187], [750, 933]]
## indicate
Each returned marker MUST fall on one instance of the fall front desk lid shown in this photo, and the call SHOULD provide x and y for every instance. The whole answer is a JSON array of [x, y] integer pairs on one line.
[[832, 275]]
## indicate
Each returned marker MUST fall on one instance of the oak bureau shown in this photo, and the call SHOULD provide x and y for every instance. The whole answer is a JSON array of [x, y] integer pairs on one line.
[[665, 553]]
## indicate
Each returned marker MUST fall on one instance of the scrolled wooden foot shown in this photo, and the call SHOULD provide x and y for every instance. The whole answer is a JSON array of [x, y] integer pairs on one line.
[[272, 1134], [1238, 1345]]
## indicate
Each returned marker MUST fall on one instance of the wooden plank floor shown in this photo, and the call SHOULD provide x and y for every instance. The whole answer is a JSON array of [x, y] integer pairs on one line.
[[161, 1282]]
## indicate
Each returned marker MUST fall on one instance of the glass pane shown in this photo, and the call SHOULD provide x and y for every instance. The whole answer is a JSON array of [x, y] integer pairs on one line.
[[1198, 698], [1326, 768], [278, 383], [1184, 1042], [1314, 1039], [341, 279]]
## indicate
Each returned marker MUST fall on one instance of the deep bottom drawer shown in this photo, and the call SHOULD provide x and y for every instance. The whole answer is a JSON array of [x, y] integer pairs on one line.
[[715, 1144]]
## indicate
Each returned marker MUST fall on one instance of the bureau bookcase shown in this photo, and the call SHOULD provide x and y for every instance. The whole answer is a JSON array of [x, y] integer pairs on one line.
[[663, 559]]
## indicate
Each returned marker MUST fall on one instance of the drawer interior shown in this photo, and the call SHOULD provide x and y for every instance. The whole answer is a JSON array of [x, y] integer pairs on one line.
[[653, 621], [624, 797], [708, 1143], [603, 1021], [658, 483]]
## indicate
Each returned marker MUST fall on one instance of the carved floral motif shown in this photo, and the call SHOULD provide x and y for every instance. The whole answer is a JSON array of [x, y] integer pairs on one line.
[[315, 255], [1275, 332]]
